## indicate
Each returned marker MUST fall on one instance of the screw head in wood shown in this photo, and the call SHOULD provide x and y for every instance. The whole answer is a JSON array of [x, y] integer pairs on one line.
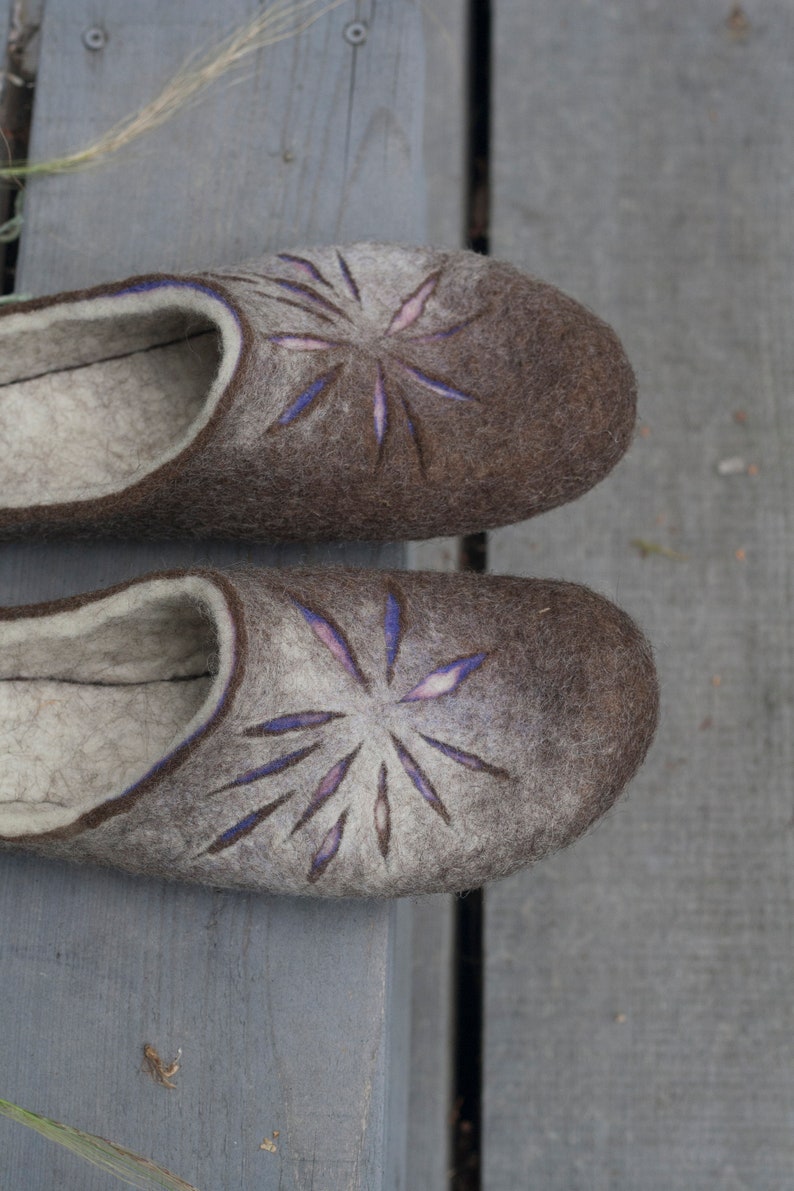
[[356, 32], [95, 38]]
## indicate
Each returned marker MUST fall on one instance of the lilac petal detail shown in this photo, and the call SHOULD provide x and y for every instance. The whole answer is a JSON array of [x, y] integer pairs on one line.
[[246, 825], [306, 398], [392, 630], [293, 723], [305, 266], [383, 814], [420, 780], [271, 767], [350, 280], [328, 848], [302, 343], [436, 386], [328, 786], [444, 680], [333, 640], [381, 408], [413, 307], [469, 760]]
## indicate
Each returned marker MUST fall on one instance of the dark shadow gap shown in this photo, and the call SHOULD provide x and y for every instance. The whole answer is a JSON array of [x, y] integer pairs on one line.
[[469, 987], [16, 114]]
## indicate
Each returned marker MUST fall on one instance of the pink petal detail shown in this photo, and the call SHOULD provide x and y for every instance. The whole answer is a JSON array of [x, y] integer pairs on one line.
[[327, 787], [413, 307], [333, 640], [302, 343], [445, 680]]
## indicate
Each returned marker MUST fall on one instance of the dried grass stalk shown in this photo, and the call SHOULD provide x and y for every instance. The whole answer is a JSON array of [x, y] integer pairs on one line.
[[114, 1159], [277, 22]]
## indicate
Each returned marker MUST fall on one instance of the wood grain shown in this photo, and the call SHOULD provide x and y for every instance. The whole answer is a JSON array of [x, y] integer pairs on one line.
[[638, 1009], [431, 1094], [290, 1016]]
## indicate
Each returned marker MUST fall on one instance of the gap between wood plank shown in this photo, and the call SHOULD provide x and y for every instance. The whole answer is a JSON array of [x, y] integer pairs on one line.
[[469, 942], [17, 89]]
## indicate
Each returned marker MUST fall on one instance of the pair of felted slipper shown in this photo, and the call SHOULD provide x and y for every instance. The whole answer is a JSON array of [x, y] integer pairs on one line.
[[315, 731]]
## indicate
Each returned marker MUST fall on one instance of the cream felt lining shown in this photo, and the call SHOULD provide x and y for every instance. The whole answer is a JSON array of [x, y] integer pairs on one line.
[[93, 698], [97, 393]]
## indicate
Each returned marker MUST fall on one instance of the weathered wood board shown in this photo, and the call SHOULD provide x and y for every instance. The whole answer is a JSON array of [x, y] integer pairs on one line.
[[430, 1103], [290, 1016], [639, 1009]]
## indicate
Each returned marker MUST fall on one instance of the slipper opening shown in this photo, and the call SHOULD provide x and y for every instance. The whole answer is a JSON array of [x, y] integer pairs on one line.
[[94, 698], [98, 392]]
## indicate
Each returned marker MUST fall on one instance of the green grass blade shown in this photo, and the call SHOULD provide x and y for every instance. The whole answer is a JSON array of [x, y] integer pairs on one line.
[[115, 1159]]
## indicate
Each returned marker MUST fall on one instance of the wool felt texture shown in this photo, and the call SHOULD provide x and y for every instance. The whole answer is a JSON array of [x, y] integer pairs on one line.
[[324, 732], [371, 391]]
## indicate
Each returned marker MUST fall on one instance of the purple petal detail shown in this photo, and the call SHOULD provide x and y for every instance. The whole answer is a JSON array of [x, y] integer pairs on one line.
[[293, 723], [381, 408], [246, 825], [251, 280], [436, 386], [328, 786], [434, 336], [413, 430], [350, 281], [420, 780], [326, 318], [328, 848], [392, 631], [333, 640], [469, 760], [444, 680], [306, 398], [275, 766], [413, 307], [383, 814], [302, 343], [306, 291], [305, 266]]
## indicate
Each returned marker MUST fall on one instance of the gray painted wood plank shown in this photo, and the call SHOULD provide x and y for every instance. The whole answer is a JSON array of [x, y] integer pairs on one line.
[[445, 132], [431, 1057], [638, 988], [430, 1100], [291, 1016], [446, 120]]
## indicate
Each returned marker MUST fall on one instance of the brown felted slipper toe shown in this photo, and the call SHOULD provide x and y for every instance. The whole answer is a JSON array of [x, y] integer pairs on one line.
[[334, 733], [371, 391]]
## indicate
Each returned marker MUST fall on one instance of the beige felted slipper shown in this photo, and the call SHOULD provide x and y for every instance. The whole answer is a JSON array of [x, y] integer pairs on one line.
[[324, 732], [371, 391]]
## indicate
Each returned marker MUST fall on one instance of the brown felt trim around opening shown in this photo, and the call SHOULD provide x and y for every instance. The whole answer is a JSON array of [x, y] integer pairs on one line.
[[159, 476], [117, 806]]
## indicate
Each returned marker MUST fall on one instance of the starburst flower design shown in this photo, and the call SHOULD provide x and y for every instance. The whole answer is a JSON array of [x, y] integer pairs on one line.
[[439, 683], [346, 329]]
